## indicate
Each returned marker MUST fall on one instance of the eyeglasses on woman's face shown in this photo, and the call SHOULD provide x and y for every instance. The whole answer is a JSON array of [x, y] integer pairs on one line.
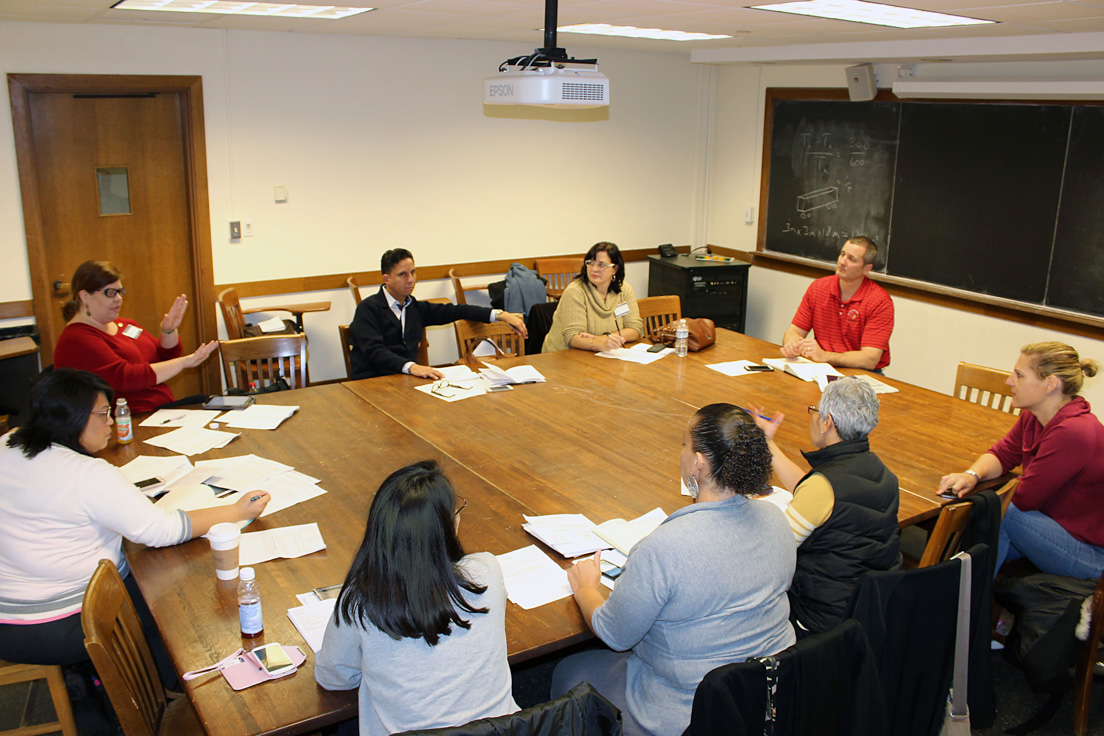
[[813, 409], [600, 265], [111, 293], [463, 505], [102, 413]]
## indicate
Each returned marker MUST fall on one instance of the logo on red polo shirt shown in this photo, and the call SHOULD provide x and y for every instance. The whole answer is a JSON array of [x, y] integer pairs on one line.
[[853, 315]]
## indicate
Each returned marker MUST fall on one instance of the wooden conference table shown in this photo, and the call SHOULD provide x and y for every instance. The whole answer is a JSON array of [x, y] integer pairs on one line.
[[601, 437]]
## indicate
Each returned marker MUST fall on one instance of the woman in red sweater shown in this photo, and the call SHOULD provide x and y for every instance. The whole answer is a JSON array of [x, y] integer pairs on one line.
[[1056, 519], [132, 361]]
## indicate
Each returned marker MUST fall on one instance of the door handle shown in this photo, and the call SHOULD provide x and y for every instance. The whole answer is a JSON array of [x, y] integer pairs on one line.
[[61, 288]]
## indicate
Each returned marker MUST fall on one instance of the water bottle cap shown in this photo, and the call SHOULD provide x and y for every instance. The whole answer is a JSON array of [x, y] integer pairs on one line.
[[247, 573], [120, 402]]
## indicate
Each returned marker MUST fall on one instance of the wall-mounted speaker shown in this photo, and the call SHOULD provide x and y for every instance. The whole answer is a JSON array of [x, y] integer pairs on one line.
[[860, 83]]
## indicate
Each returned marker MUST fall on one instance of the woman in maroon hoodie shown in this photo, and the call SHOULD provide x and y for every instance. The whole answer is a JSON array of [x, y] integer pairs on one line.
[[1056, 519]]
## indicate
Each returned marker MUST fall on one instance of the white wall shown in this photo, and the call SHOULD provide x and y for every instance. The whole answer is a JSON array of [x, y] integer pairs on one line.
[[385, 142], [928, 341]]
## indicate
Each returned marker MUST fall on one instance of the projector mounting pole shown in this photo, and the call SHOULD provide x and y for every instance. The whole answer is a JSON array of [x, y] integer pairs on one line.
[[551, 8]]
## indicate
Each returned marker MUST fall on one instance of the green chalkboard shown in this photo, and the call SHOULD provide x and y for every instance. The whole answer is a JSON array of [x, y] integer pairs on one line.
[[1003, 199]]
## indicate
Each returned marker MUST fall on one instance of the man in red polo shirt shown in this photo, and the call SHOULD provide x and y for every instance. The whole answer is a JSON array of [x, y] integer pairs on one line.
[[850, 316]]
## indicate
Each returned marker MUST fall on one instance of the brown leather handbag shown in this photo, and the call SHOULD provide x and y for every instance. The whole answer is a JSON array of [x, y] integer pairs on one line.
[[703, 333]]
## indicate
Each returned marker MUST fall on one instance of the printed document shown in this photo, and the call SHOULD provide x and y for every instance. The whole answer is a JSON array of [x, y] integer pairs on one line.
[[285, 541], [532, 578]]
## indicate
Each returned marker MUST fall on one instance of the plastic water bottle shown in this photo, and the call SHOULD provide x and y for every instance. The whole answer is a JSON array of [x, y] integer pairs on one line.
[[249, 604], [682, 337], [124, 428]]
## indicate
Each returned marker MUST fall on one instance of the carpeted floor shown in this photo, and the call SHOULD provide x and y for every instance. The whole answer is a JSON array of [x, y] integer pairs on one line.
[[1016, 703]]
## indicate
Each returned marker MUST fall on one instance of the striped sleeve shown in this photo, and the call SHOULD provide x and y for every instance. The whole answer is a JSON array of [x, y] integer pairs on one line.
[[811, 506]]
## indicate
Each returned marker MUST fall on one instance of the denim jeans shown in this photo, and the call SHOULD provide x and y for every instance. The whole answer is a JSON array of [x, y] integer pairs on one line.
[[1043, 541]]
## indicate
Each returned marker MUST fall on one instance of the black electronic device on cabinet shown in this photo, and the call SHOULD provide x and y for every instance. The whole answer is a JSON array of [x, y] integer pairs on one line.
[[717, 291]]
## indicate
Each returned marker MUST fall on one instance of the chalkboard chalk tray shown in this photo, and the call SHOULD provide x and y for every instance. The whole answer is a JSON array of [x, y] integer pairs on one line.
[[1004, 199]]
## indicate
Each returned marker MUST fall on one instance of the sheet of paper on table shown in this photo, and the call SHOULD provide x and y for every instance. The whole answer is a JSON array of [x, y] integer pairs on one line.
[[167, 469], [180, 418], [780, 497], [636, 354], [455, 391], [569, 534], [735, 368], [286, 542], [259, 416], [532, 578], [192, 440], [194, 497], [242, 472], [311, 619], [880, 387]]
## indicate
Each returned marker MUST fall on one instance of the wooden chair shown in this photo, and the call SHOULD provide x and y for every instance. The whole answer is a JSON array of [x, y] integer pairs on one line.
[[986, 386], [657, 311], [558, 273], [264, 359], [346, 348], [11, 673], [117, 645], [508, 344], [460, 289], [234, 316], [1083, 675], [945, 540], [354, 289], [1006, 492]]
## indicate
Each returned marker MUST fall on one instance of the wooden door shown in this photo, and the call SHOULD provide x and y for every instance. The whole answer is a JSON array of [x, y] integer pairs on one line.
[[146, 138]]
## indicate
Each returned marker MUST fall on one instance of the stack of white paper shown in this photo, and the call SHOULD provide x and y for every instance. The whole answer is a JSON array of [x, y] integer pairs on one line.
[[192, 440], [636, 354], [569, 534], [311, 620], [495, 376], [180, 418], [286, 541], [274, 324], [259, 416], [249, 473], [532, 579]]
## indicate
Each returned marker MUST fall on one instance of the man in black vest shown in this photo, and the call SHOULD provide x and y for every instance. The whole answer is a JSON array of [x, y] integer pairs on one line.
[[388, 325], [844, 511]]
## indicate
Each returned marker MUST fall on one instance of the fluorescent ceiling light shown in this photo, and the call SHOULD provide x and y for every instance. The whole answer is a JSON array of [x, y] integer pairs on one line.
[[280, 10], [604, 29], [873, 13], [1000, 89]]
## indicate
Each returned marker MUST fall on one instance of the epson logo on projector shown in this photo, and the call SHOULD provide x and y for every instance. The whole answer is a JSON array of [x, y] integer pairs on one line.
[[552, 86], [500, 90]]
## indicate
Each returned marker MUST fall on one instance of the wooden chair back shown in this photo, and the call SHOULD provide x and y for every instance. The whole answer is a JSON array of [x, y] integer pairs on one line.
[[232, 314], [117, 645], [346, 348], [12, 673], [354, 289], [423, 346], [558, 273], [945, 540], [1083, 675], [460, 290], [264, 359], [657, 311], [986, 386], [508, 344], [1006, 492]]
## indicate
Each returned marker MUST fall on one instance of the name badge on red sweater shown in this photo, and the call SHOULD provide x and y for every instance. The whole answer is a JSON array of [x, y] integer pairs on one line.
[[132, 331]]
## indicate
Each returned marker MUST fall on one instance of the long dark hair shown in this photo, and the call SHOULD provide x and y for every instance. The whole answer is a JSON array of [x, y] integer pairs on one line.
[[737, 450], [614, 253], [61, 403], [404, 578], [90, 276]]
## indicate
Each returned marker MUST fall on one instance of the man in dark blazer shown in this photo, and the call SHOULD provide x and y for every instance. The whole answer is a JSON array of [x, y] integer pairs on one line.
[[388, 325]]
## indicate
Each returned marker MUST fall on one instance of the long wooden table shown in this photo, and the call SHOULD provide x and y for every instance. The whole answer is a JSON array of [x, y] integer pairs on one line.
[[601, 437]]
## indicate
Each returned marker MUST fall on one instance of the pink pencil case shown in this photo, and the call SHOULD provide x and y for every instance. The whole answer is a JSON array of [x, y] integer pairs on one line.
[[248, 672]]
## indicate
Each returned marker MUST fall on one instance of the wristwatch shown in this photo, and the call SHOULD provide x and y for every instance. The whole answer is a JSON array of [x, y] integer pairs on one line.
[[973, 473]]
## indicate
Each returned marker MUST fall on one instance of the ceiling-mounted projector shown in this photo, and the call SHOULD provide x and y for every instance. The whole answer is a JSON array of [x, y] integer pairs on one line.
[[548, 77], [548, 86]]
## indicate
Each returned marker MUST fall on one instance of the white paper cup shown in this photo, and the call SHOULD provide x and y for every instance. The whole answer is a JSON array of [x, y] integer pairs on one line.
[[224, 539]]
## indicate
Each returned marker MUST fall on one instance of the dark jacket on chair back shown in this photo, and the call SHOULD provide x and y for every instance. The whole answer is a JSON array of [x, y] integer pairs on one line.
[[860, 535]]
